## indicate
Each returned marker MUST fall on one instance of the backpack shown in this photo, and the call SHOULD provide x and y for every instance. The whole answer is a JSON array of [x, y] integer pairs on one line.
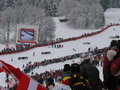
[[78, 82]]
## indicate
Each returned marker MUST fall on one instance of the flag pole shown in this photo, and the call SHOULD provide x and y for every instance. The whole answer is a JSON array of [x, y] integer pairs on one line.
[[9, 72]]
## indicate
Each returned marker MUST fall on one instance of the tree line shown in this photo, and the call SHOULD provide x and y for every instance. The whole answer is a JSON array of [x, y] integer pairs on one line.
[[80, 14]]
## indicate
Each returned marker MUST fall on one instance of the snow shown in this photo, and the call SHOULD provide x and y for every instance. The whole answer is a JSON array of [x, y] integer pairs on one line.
[[2, 79], [62, 31], [112, 15]]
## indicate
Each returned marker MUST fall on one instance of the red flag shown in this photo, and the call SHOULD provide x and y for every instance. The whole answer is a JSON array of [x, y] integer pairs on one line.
[[9, 69], [27, 83]]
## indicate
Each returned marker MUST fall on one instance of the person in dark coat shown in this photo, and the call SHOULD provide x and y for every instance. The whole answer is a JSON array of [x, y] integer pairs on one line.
[[115, 70], [77, 81], [90, 72], [66, 73], [66, 70], [50, 83], [115, 67]]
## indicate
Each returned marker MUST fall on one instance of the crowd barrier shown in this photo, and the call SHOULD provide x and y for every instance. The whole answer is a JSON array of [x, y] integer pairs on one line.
[[62, 41]]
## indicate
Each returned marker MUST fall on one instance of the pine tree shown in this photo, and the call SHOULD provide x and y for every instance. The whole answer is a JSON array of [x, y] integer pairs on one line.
[[66, 6], [88, 14], [105, 4], [114, 3]]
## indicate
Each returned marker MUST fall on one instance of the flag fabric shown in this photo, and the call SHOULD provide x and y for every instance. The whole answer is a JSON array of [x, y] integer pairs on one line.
[[27, 83], [2, 88], [9, 69]]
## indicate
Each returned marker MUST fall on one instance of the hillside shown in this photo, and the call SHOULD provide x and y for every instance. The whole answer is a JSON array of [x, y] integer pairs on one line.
[[112, 16], [62, 31]]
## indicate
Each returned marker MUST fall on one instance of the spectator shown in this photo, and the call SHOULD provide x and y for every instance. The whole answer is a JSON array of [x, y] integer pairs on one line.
[[109, 79], [33, 54], [66, 74], [50, 83], [115, 67], [76, 81], [90, 72]]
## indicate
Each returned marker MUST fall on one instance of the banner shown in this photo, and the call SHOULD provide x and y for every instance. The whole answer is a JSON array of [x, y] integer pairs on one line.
[[24, 81], [27, 83]]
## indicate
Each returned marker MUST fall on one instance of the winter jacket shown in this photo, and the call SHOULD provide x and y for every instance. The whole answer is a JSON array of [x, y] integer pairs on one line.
[[115, 67], [109, 78], [115, 70], [67, 73], [65, 78], [91, 73], [78, 82]]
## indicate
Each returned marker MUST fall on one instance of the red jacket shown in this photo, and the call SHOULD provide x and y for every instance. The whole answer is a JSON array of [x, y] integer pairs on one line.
[[109, 79], [115, 67], [115, 70]]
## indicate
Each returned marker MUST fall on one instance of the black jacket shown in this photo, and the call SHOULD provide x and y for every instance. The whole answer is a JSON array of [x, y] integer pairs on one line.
[[91, 73]]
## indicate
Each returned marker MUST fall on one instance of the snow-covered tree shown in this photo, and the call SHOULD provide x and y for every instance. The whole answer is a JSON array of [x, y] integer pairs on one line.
[[8, 19], [105, 4], [47, 29], [5, 3], [34, 17], [33, 2], [25, 14], [76, 18], [19, 2], [114, 3], [49, 6], [87, 14], [1, 5], [20, 13], [66, 6], [110, 3]]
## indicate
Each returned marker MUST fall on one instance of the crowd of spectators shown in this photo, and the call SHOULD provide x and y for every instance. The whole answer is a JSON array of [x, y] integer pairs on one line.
[[56, 76], [21, 47], [87, 68], [96, 54]]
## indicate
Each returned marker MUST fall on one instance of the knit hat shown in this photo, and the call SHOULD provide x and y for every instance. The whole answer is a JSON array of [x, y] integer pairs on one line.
[[111, 54], [75, 68], [66, 67], [113, 43]]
